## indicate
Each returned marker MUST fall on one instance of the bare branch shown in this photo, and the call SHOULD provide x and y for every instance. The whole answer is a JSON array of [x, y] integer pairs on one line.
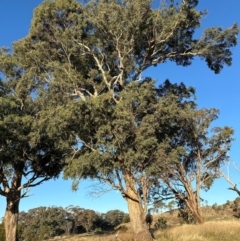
[[99, 64], [98, 190], [228, 179], [30, 183], [215, 159]]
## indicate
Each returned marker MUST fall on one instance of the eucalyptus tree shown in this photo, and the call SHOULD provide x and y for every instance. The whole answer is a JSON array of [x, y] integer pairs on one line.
[[114, 217], [205, 150], [129, 141], [42, 222], [88, 218], [87, 63], [29, 153]]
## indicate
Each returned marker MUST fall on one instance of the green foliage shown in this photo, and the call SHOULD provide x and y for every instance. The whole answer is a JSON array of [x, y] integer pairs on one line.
[[27, 148], [31, 151], [126, 218], [186, 215], [161, 223], [114, 217], [236, 208], [2, 232], [41, 223], [129, 133], [203, 152], [138, 37], [91, 106], [214, 206], [47, 222], [88, 218]]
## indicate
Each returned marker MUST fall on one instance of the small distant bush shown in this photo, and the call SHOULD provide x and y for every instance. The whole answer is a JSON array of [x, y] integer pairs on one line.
[[161, 223], [214, 206], [186, 215], [126, 218], [2, 232], [232, 205], [228, 203], [236, 208]]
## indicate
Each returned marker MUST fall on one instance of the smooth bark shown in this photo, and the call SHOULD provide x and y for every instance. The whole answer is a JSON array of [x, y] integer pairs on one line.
[[194, 207], [136, 211], [13, 196], [11, 219], [191, 201]]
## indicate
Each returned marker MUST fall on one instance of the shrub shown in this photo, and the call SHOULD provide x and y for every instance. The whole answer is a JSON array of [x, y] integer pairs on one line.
[[2, 232], [161, 222], [126, 218], [214, 206], [186, 215]]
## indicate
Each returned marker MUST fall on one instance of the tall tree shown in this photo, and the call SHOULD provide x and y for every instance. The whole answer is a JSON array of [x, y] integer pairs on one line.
[[84, 60], [127, 140], [87, 218], [204, 152], [29, 154], [114, 217]]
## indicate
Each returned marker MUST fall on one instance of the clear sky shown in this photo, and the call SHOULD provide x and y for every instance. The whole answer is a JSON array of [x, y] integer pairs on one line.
[[221, 91]]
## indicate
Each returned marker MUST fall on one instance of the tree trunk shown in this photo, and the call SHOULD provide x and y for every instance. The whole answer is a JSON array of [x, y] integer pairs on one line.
[[11, 220], [192, 204], [193, 197], [191, 200], [136, 211], [199, 218]]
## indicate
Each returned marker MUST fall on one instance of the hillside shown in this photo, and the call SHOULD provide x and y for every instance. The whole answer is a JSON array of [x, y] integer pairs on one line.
[[211, 213], [220, 225]]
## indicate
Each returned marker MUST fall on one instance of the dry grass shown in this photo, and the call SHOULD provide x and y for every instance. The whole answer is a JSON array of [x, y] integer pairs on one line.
[[112, 237], [209, 231]]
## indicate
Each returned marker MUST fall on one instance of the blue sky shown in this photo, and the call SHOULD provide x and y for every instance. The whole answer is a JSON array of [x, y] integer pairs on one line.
[[221, 91]]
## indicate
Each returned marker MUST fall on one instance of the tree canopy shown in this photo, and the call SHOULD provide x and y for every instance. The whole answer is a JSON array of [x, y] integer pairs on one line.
[[29, 154], [100, 47], [205, 150], [83, 65]]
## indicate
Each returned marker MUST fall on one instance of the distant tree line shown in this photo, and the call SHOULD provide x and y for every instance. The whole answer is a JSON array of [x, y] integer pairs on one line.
[[47, 222]]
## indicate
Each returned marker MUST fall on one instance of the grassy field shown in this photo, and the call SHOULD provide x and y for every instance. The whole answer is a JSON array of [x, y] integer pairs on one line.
[[209, 231], [220, 225]]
